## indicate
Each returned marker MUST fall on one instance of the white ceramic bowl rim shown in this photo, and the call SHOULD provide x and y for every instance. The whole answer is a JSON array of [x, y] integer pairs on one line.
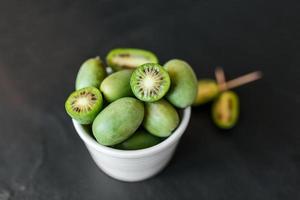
[[90, 141]]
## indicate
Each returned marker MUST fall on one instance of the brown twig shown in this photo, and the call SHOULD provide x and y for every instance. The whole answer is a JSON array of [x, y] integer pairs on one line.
[[239, 81], [242, 80], [220, 77]]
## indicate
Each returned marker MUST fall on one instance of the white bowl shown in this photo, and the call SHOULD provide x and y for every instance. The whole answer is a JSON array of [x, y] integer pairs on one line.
[[134, 165]]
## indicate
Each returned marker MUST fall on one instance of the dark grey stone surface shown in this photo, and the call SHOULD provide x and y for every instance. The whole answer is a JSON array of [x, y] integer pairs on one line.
[[42, 44]]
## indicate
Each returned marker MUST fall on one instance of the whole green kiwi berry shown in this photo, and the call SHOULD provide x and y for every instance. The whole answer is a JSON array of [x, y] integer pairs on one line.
[[141, 139], [83, 105], [184, 86], [91, 73], [225, 110], [161, 118], [129, 58], [118, 121], [207, 91], [117, 85]]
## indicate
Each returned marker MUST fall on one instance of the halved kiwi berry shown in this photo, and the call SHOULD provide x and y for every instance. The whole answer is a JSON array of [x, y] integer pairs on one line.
[[225, 110], [129, 58], [150, 82], [83, 105]]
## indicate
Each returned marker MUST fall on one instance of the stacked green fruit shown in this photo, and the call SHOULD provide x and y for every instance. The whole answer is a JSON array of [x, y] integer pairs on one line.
[[184, 83], [137, 105], [139, 140], [117, 85], [91, 73], [118, 121]]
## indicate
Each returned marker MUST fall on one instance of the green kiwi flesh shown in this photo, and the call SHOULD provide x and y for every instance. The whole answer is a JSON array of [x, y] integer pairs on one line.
[[129, 58], [150, 82], [83, 105], [225, 110]]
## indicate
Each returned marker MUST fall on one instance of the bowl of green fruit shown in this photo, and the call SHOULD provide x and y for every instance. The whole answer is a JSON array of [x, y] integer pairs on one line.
[[132, 112]]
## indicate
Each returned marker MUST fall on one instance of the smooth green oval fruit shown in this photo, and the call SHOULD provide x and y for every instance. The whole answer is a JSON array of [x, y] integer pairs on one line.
[[225, 110], [91, 73], [161, 118], [83, 105], [118, 121], [129, 58], [141, 139], [150, 82], [117, 85], [207, 91], [184, 87]]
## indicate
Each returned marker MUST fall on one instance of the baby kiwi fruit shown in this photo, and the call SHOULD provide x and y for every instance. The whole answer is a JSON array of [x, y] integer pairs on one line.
[[129, 58], [117, 85], [91, 73], [225, 110], [161, 118], [207, 91], [141, 139], [150, 82], [83, 105], [184, 87], [118, 121]]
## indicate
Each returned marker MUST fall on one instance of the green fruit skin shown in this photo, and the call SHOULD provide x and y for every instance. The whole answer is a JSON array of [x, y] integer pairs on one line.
[[91, 73], [118, 121], [117, 85], [207, 91], [161, 118], [163, 87], [234, 110], [147, 55], [184, 85], [139, 140], [88, 117]]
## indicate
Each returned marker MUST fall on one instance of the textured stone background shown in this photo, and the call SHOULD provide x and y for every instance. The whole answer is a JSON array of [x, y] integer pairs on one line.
[[43, 43]]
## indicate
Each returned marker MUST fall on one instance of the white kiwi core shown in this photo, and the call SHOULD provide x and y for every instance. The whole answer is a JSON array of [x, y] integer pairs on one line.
[[83, 102]]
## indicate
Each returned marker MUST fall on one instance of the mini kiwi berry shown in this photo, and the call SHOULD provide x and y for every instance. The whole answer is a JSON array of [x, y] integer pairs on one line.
[[118, 121], [161, 118], [117, 85], [225, 110], [91, 73], [150, 82], [184, 86], [141, 139], [129, 58], [207, 91], [83, 105]]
